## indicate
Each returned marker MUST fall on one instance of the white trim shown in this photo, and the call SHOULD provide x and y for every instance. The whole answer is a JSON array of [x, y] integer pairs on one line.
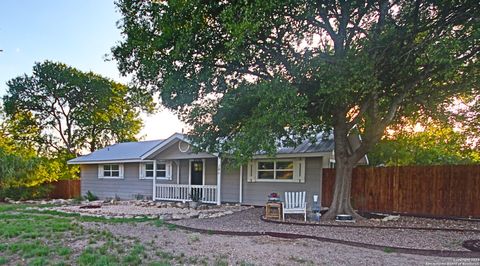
[[240, 192], [142, 170], [203, 171], [177, 163], [155, 169], [100, 172], [110, 162], [298, 171], [219, 180], [154, 179], [190, 171]]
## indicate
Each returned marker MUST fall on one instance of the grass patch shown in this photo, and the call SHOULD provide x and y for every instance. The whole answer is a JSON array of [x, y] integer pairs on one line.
[[172, 227], [64, 251], [31, 236], [97, 256], [388, 250]]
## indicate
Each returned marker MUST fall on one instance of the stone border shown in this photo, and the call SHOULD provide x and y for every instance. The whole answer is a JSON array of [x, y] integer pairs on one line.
[[423, 252], [371, 226]]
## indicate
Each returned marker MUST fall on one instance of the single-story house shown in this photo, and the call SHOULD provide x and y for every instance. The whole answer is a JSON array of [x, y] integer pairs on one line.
[[169, 170]]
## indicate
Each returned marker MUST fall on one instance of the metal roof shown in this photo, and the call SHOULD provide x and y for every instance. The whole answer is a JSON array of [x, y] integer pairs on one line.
[[321, 144], [138, 151], [126, 151]]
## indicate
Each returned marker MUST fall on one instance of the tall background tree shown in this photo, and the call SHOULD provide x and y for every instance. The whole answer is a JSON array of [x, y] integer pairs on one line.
[[251, 73], [436, 143], [73, 110]]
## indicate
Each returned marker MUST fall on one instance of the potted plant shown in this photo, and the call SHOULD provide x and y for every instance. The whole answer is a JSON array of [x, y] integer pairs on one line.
[[273, 197], [195, 197]]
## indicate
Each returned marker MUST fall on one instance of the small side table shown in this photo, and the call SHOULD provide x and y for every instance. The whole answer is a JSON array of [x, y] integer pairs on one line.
[[273, 210]]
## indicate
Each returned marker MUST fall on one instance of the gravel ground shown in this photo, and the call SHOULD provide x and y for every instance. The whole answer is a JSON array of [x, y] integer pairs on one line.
[[249, 220], [130, 209], [265, 250], [409, 221]]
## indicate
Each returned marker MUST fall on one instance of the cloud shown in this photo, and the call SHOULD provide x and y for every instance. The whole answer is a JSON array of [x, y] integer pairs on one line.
[[17, 50]]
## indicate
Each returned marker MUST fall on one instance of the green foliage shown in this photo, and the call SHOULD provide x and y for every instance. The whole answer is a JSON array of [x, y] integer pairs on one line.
[[246, 75], [69, 110], [23, 173], [436, 144], [252, 73], [90, 196]]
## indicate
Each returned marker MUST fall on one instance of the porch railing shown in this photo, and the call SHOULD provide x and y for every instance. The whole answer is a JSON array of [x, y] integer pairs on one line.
[[174, 192]]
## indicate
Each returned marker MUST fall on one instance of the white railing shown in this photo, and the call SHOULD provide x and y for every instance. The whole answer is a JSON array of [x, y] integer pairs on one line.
[[169, 192]]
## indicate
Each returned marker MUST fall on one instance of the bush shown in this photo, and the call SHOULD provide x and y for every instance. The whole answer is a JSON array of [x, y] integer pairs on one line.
[[90, 196], [25, 193]]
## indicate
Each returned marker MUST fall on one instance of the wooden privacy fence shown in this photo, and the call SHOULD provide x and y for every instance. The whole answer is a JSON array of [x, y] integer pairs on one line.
[[442, 191], [65, 189]]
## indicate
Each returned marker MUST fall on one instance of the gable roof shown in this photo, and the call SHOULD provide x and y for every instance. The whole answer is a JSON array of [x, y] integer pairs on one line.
[[140, 151], [125, 152]]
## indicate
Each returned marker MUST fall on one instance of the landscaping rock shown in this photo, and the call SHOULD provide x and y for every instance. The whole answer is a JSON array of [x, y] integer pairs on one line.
[[391, 218]]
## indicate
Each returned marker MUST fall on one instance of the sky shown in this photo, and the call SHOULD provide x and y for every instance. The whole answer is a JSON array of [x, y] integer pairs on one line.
[[79, 33]]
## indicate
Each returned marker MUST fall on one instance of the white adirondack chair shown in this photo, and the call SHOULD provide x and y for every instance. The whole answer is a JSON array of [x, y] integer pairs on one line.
[[295, 204]]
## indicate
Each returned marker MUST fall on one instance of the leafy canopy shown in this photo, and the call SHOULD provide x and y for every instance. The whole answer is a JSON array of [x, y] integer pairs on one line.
[[437, 143], [252, 72], [60, 108]]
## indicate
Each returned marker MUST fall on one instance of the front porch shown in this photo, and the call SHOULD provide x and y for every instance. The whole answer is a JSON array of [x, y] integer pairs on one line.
[[183, 193], [193, 180]]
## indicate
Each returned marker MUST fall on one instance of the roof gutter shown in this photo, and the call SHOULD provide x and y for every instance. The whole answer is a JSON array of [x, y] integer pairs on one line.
[[108, 161]]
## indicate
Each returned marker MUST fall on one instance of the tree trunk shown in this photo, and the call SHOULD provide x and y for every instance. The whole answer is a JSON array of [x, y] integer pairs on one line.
[[341, 203], [343, 174]]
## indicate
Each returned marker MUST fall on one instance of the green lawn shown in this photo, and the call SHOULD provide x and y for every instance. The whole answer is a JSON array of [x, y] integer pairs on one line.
[[32, 237]]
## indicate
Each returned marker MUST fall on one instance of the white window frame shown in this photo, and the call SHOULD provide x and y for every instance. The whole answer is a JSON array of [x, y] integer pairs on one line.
[[168, 171], [101, 170], [275, 170], [298, 170]]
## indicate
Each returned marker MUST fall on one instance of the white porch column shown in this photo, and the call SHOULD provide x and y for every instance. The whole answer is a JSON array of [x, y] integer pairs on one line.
[[177, 162], [154, 179], [219, 180], [240, 195]]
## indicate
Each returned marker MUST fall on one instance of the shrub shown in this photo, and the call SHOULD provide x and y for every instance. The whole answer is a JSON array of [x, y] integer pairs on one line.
[[25, 193], [90, 196]]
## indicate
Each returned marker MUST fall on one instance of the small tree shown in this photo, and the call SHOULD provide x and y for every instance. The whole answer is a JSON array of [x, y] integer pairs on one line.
[[250, 73]]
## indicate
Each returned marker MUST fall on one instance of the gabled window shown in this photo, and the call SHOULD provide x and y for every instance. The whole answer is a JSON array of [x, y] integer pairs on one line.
[[164, 170], [113, 171]]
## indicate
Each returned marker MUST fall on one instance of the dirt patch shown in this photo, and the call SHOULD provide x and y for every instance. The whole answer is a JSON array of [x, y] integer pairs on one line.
[[249, 221], [262, 250]]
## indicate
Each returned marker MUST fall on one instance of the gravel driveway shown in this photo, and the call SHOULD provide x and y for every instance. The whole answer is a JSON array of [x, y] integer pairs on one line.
[[264, 250], [249, 220]]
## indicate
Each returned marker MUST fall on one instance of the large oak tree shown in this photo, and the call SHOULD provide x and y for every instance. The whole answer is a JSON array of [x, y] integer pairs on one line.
[[246, 74]]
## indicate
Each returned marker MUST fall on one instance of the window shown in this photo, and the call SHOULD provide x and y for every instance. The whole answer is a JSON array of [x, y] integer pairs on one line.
[[275, 170], [163, 171], [110, 171]]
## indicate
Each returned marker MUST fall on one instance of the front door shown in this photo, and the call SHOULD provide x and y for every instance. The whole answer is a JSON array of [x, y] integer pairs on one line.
[[197, 172]]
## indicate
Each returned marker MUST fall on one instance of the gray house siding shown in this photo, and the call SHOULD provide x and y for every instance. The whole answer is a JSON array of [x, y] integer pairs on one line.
[[230, 184], [255, 193], [125, 188]]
